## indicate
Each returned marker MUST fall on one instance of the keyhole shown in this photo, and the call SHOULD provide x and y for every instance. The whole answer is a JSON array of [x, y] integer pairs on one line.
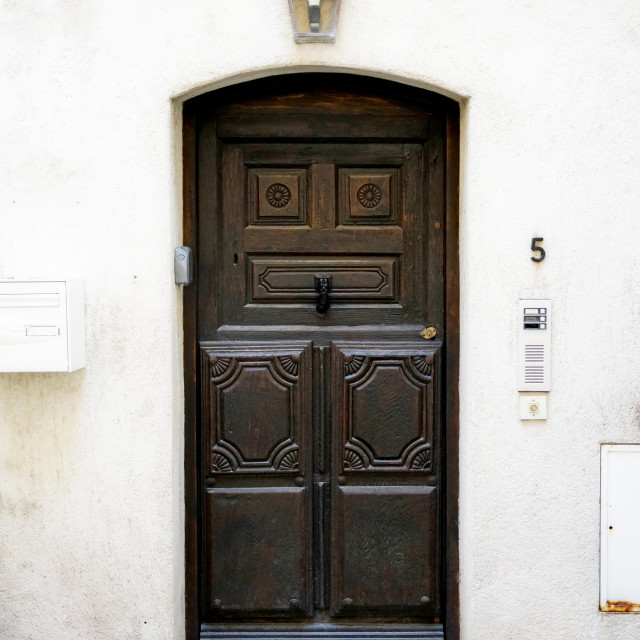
[[235, 258]]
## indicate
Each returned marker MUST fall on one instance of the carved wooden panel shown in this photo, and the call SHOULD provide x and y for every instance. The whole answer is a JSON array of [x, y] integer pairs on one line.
[[278, 196], [385, 401], [296, 523], [261, 562], [257, 401], [384, 554], [292, 279], [369, 196]]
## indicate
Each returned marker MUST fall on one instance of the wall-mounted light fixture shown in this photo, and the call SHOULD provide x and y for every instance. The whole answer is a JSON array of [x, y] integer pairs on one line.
[[314, 20]]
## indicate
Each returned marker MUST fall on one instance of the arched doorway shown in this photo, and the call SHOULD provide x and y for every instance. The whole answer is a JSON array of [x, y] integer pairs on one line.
[[322, 430]]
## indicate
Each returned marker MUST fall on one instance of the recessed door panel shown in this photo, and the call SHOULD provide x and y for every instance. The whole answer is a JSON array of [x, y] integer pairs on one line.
[[369, 196], [257, 403], [385, 551], [384, 399], [261, 565], [277, 196], [292, 279]]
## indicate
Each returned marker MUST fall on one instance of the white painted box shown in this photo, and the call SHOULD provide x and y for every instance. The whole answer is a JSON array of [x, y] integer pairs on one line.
[[620, 528], [41, 325]]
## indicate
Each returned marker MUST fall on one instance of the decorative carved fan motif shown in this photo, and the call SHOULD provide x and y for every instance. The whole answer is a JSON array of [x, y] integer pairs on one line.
[[422, 462], [352, 364], [220, 464], [352, 460], [289, 462], [219, 365], [423, 364], [290, 364]]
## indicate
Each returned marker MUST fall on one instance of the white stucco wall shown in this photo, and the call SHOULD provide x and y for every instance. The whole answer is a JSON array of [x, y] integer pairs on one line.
[[91, 525]]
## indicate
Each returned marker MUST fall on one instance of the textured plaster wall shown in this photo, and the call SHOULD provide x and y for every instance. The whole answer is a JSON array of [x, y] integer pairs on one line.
[[91, 524]]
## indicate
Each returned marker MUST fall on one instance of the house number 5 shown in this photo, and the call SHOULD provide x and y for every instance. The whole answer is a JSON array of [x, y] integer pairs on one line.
[[534, 242]]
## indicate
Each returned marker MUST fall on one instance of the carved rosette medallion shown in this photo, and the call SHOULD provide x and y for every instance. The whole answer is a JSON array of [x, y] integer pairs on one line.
[[369, 195], [278, 195]]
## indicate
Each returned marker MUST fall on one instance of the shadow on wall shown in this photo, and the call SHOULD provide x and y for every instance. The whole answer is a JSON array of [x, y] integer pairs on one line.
[[38, 430]]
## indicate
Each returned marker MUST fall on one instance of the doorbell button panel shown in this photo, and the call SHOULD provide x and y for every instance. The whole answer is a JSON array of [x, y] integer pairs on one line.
[[533, 407], [534, 342]]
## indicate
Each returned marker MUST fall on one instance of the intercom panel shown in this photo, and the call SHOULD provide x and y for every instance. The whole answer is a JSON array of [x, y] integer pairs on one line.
[[534, 362]]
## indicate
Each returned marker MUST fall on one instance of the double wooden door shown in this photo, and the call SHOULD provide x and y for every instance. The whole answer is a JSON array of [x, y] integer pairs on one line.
[[320, 440]]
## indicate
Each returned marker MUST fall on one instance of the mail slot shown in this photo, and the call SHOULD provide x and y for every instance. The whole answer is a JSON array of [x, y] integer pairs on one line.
[[41, 325]]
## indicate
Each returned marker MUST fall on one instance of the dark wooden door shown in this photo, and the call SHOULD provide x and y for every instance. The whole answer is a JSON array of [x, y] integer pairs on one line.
[[320, 435]]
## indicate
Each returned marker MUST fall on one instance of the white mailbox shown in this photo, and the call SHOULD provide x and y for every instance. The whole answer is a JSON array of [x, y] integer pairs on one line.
[[41, 325]]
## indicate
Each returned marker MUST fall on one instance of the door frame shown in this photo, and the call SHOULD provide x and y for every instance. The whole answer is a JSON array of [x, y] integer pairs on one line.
[[451, 111]]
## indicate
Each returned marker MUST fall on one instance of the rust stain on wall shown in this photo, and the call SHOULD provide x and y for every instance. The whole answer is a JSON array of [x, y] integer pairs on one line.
[[621, 606]]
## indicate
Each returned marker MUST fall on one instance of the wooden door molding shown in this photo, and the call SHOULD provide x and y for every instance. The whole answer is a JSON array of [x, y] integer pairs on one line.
[[370, 278]]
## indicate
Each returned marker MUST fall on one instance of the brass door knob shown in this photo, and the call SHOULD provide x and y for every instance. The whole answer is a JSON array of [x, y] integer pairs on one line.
[[429, 333]]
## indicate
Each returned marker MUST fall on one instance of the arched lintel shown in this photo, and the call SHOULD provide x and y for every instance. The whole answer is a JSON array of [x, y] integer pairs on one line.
[[181, 96]]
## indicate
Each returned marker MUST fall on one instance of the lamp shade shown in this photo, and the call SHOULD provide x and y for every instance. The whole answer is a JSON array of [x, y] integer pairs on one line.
[[314, 20]]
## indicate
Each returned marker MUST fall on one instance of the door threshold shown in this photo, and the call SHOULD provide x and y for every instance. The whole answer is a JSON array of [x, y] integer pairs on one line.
[[325, 632]]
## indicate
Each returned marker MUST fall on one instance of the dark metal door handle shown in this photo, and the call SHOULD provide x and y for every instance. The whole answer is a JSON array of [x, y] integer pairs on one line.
[[323, 286]]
